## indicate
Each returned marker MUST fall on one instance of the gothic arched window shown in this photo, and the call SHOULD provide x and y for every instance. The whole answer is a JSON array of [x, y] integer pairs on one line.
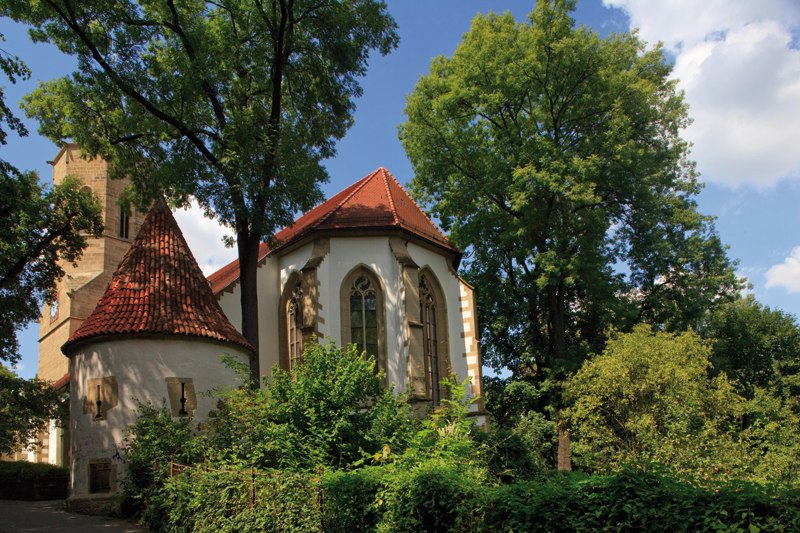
[[294, 332], [294, 321], [433, 316], [362, 314]]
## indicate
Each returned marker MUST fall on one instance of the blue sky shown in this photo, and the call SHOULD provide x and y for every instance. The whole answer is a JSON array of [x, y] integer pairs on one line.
[[738, 62]]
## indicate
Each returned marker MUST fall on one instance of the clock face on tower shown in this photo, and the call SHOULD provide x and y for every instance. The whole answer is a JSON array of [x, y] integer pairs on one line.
[[54, 310]]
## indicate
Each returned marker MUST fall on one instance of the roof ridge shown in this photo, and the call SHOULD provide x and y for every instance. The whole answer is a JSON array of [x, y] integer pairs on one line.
[[357, 188], [435, 227], [389, 194]]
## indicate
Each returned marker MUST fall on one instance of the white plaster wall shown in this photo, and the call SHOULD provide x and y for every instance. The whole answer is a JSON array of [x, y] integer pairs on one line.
[[53, 443], [229, 301], [140, 367], [346, 253], [268, 295], [294, 261], [450, 285]]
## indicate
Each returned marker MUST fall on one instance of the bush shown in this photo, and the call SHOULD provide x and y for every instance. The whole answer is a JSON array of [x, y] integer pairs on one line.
[[351, 499], [635, 499], [315, 416], [435, 495], [151, 443], [243, 501], [21, 480], [521, 452]]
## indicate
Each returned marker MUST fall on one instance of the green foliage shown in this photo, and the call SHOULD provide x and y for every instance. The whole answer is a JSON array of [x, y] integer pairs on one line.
[[433, 495], [151, 443], [243, 501], [521, 443], [634, 499], [524, 451], [22, 480], [555, 157], [332, 410], [37, 229], [756, 346], [351, 499], [14, 69], [26, 408], [439, 479], [234, 102], [768, 437], [648, 398], [40, 231]]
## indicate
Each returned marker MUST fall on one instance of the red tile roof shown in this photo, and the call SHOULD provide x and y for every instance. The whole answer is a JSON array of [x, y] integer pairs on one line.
[[375, 202], [158, 288], [61, 382]]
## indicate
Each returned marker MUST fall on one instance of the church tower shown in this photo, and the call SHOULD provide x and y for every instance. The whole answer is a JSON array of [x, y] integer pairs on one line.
[[85, 282]]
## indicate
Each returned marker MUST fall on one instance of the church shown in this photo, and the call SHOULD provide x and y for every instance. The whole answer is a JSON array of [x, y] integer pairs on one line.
[[136, 320]]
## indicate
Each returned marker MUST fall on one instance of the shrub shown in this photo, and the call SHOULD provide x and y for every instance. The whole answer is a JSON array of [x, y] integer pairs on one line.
[[521, 452], [21, 480], [351, 499], [151, 443], [648, 398], [638, 500], [330, 411], [243, 501], [435, 495]]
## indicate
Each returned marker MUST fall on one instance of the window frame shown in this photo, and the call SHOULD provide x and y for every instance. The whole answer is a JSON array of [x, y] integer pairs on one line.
[[345, 292], [435, 350], [294, 281]]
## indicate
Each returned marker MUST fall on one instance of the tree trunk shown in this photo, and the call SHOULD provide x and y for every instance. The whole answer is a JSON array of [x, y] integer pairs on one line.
[[556, 322], [557, 330], [248, 268], [564, 455]]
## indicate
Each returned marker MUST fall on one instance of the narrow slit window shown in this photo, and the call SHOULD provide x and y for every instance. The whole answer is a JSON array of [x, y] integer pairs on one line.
[[124, 223]]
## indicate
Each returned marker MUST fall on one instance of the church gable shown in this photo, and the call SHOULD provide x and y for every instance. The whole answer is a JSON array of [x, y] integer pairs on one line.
[[366, 267]]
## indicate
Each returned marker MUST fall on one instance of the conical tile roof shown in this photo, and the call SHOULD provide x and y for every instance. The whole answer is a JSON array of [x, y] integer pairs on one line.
[[375, 202], [158, 289]]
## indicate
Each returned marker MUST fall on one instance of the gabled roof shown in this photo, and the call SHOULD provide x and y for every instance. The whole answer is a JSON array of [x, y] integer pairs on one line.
[[158, 289], [376, 202]]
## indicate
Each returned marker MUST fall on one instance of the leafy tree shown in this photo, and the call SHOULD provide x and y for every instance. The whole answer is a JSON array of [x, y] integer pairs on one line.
[[555, 159], [39, 230], [14, 69], [234, 102], [26, 408], [756, 346], [648, 397]]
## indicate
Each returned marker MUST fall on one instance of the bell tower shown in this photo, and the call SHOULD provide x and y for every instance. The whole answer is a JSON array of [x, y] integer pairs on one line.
[[85, 282]]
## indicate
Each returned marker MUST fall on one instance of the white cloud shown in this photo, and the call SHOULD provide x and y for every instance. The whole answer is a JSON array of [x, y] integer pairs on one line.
[[738, 62], [786, 274], [204, 237]]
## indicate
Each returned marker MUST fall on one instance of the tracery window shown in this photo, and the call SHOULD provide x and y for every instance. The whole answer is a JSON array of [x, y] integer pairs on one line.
[[363, 322], [430, 339], [294, 331], [294, 321], [364, 316]]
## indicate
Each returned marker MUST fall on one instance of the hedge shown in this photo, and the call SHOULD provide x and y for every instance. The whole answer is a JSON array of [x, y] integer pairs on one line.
[[21, 480], [438, 496]]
